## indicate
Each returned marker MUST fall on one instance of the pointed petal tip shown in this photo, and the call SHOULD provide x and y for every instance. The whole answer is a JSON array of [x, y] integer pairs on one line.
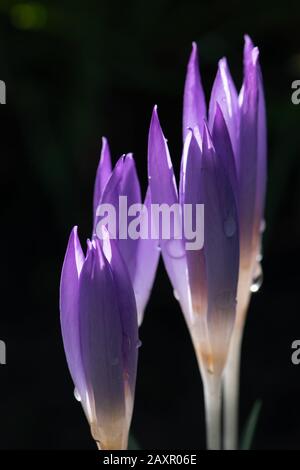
[[155, 125], [223, 64], [248, 41], [219, 118], [154, 117], [218, 112], [207, 139], [250, 49], [74, 231], [74, 239], [193, 60]]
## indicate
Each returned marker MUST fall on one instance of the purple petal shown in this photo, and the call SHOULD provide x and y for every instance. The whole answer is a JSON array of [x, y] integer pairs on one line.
[[147, 261], [221, 249], [194, 106], [101, 340], [69, 288], [251, 56], [224, 93], [103, 173], [127, 309], [222, 144], [123, 182], [163, 191], [191, 176], [261, 154], [248, 155]]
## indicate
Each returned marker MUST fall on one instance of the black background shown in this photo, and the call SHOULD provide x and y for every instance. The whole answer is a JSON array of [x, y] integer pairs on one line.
[[78, 70]]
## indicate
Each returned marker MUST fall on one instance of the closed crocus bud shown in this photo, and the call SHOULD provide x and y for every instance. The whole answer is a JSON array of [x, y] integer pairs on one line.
[[213, 270], [100, 336], [238, 126], [245, 122], [205, 278], [120, 189]]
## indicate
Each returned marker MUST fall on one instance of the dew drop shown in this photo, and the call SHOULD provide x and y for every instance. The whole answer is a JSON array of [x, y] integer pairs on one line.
[[138, 344], [76, 395], [229, 226], [257, 280], [262, 227]]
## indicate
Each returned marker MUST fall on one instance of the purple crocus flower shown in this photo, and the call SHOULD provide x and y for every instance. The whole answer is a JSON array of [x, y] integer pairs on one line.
[[205, 280], [245, 122], [241, 117], [140, 255], [100, 335]]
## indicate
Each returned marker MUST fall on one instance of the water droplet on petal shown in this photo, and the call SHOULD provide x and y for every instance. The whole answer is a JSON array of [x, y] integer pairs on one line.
[[262, 226], [229, 226], [175, 248], [76, 395], [176, 295], [158, 248], [138, 344], [257, 280]]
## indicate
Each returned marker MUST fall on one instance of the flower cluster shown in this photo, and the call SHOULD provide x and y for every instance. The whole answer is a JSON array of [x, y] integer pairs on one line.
[[104, 292]]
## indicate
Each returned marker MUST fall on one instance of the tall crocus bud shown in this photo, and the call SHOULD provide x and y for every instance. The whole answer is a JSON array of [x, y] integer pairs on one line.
[[252, 175], [194, 106], [100, 335], [238, 126], [119, 190], [205, 277]]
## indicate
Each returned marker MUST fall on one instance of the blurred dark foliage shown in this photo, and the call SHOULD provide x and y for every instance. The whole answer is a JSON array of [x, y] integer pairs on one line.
[[78, 70]]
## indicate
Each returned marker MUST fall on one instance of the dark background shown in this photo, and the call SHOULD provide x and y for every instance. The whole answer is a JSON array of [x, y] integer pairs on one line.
[[77, 70]]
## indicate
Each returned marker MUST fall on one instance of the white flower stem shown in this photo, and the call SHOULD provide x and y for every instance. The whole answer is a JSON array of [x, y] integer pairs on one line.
[[231, 385], [212, 396]]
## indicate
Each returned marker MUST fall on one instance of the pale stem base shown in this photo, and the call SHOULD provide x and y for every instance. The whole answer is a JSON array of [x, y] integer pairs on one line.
[[231, 385], [212, 396]]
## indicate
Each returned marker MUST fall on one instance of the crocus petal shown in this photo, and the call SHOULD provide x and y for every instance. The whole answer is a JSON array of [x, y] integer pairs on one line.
[[147, 261], [123, 183], [225, 95], [127, 308], [191, 194], [223, 147], [221, 251], [163, 191], [103, 173], [194, 106], [261, 154], [248, 165], [69, 288], [101, 340]]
